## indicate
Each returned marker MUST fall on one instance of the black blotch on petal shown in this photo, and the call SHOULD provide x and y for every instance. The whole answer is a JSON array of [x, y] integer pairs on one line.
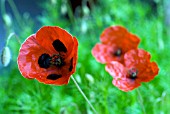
[[59, 46], [71, 65], [54, 76], [44, 61]]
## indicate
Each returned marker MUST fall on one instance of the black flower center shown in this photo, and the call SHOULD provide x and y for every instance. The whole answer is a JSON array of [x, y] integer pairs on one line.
[[57, 60], [118, 52], [45, 60], [133, 73]]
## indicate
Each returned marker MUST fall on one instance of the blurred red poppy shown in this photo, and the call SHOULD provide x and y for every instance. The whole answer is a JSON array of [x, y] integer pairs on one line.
[[115, 42], [137, 68], [50, 56]]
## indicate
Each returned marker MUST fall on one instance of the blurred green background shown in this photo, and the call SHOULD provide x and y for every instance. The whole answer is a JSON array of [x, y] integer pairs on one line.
[[86, 19]]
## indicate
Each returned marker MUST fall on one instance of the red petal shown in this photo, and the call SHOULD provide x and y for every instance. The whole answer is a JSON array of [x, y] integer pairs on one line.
[[113, 34], [125, 84], [116, 69], [105, 53], [136, 58], [119, 72], [140, 60], [28, 57], [120, 36], [74, 53], [42, 77], [48, 34], [151, 70], [129, 42]]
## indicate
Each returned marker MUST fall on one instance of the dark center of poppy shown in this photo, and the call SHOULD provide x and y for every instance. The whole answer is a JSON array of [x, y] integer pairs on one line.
[[133, 73], [45, 60], [118, 52], [57, 60]]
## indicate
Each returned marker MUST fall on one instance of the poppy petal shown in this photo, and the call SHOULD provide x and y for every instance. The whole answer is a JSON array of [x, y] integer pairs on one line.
[[136, 57], [119, 72], [52, 76], [73, 60], [112, 34], [28, 57], [125, 84], [151, 71], [105, 53], [55, 39], [130, 41], [116, 69], [121, 37]]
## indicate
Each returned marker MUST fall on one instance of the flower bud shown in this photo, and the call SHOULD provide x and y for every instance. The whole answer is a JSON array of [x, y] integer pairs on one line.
[[5, 56]]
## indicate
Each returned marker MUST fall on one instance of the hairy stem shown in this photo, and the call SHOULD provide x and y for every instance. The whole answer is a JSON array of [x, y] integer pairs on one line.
[[16, 12], [83, 94], [141, 101]]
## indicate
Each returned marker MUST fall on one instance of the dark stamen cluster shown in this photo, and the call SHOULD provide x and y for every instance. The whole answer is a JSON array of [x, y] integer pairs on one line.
[[118, 52], [133, 73], [57, 60], [45, 61]]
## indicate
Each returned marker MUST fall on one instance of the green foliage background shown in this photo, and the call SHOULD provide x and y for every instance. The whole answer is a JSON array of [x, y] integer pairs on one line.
[[20, 95]]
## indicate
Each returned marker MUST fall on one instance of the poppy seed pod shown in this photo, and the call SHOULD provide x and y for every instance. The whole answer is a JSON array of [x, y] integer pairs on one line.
[[5, 56]]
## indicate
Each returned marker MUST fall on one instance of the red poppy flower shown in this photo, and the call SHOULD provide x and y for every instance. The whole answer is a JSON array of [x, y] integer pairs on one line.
[[115, 42], [49, 56], [137, 68]]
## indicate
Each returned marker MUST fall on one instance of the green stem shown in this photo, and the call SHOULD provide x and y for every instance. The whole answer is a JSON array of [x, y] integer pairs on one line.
[[83, 94], [3, 11], [70, 11], [10, 36], [16, 12], [141, 101]]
